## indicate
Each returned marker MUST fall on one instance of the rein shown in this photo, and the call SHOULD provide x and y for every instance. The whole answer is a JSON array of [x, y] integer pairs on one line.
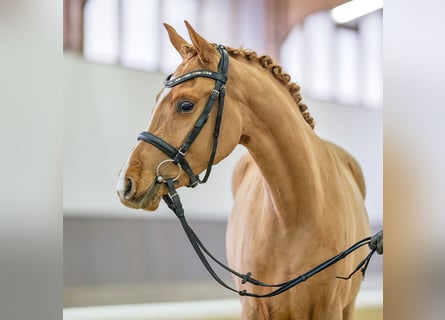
[[173, 201]]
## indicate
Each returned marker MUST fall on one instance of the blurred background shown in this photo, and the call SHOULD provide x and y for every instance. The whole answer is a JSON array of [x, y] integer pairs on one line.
[[32, 127], [116, 55]]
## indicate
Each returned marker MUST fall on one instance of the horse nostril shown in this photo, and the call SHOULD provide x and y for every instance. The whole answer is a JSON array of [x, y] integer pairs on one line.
[[128, 185], [129, 189]]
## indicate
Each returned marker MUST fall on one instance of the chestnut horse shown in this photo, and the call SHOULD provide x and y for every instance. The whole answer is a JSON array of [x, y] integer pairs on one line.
[[298, 199]]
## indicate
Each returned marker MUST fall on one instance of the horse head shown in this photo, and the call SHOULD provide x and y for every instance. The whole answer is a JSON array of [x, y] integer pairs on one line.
[[180, 105]]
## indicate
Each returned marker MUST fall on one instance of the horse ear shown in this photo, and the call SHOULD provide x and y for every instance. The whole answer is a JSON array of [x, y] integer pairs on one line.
[[205, 50], [182, 46]]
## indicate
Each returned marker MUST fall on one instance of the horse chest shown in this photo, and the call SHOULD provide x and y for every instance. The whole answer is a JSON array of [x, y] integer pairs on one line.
[[256, 241]]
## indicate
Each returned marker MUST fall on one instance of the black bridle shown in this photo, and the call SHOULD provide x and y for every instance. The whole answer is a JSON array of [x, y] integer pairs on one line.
[[177, 156]]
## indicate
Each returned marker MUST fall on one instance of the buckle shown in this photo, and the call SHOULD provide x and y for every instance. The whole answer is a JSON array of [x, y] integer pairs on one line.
[[171, 196], [214, 94], [181, 152], [194, 184]]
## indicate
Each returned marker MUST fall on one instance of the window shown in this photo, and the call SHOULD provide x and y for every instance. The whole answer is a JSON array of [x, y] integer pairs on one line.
[[130, 32], [341, 63]]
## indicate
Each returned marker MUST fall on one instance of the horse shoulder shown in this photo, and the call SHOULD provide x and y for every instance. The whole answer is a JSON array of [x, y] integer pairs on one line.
[[351, 163]]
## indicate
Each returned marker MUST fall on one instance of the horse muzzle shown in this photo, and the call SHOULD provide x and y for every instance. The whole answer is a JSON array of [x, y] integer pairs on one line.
[[148, 200]]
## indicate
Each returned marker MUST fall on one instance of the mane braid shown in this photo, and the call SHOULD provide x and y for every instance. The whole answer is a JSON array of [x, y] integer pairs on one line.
[[267, 63]]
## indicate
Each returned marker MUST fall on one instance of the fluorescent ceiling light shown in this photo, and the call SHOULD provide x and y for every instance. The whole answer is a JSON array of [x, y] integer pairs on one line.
[[354, 9]]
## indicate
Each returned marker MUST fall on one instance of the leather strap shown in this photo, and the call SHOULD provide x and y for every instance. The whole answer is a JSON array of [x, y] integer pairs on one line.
[[172, 152], [178, 155], [194, 74], [174, 203]]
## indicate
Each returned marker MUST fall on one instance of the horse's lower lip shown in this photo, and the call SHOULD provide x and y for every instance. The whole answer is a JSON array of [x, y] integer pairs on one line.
[[150, 194]]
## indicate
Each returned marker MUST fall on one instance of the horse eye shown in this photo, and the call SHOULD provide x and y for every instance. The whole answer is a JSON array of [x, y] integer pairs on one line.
[[185, 106]]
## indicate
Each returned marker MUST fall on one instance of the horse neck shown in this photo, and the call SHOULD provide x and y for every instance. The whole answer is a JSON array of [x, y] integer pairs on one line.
[[283, 146]]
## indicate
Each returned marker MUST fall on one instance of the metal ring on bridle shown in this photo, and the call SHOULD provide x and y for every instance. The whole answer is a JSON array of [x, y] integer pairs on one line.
[[161, 178]]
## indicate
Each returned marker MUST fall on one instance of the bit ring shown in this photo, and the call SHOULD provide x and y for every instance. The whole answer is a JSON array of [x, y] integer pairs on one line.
[[160, 178]]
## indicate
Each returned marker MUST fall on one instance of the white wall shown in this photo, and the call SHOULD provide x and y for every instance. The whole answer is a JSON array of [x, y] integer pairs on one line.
[[105, 107], [360, 132]]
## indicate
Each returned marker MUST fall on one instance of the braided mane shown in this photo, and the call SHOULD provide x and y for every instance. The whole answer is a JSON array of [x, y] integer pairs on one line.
[[267, 63]]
